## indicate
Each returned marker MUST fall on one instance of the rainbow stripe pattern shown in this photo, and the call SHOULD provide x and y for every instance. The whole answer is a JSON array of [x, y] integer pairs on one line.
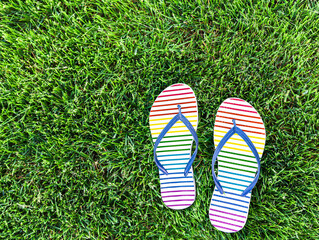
[[174, 150], [237, 165]]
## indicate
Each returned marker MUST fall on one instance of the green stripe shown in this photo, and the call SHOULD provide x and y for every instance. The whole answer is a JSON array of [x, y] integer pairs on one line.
[[243, 165], [188, 135], [174, 145], [236, 159], [237, 169], [238, 154], [173, 150], [178, 140]]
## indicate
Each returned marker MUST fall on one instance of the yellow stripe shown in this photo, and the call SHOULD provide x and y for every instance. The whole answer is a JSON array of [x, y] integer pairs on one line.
[[159, 119], [244, 145], [172, 132], [237, 139], [167, 122], [238, 135], [239, 149], [171, 127]]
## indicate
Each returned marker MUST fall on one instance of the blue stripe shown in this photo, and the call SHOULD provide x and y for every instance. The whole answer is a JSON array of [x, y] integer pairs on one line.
[[173, 155], [174, 173], [235, 174], [232, 189], [177, 186], [174, 164], [174, 168], [177, 182], [174, 159], [230, 203], [234, 183], [230, 198], [174, 178], [236, 194], [234, 178], [229, 208]]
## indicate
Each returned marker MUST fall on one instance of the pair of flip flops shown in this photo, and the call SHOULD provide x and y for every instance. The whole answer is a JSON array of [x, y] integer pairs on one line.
[[239, 139]]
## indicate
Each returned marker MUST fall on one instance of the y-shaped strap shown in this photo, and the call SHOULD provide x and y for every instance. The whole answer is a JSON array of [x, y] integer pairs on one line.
[[176, 118], [221, 144]]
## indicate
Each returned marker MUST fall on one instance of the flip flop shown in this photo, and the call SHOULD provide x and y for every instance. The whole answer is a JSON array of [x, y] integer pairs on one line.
[[173, 123], [239, 138]]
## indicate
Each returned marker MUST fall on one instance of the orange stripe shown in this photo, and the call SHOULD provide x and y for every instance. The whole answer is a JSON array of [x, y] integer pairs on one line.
[[160, 119], [239, 119], [243, 115], [167, 109], [241, 125], [242, 129]]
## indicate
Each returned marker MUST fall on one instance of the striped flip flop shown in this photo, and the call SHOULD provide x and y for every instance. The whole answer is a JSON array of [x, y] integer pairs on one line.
[[239, 138], [173, 123]]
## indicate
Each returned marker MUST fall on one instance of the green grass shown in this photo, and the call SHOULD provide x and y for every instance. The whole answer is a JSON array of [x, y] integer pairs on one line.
[[77, 81]]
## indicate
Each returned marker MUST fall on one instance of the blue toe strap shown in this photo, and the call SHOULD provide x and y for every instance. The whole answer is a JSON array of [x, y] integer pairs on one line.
[[176, 118], [221, 144]]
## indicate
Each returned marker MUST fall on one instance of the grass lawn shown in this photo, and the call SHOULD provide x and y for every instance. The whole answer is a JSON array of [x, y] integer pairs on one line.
[[78, 79]]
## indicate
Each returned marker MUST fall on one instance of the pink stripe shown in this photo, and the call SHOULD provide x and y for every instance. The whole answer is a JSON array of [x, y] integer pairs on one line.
[[239, 104], [225, 223], [178, 205], [178, 196], [227, 218], [179, 200], [225, 228], [179, 191], [237, 99], [178, 85], [238, 109], [175, 95], [180, 89], [227, 213]]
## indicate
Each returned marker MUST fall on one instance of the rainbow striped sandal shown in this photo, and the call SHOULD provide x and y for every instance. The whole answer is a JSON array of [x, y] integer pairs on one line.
[[173, 123], [239, 138]]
